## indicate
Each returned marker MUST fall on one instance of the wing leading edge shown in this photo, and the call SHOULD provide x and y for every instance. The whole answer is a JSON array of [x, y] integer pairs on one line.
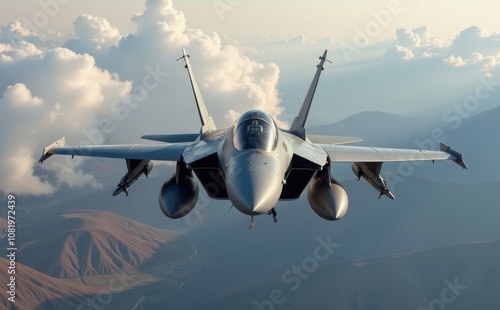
[[167, 152], [344, 154]]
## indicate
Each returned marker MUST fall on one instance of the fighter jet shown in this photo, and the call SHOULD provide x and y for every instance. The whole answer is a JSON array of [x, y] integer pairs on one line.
[[254, 163]]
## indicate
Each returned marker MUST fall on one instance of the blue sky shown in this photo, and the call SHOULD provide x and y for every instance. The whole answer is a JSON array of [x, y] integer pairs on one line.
[[105, 72]]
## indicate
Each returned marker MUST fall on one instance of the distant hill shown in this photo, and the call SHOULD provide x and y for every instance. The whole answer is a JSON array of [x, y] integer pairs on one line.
[[374, 127], [85, 243], [35, 288], [478, 139], [475, 137]]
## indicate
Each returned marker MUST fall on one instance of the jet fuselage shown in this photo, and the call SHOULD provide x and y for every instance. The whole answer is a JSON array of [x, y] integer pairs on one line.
[[254, 158]]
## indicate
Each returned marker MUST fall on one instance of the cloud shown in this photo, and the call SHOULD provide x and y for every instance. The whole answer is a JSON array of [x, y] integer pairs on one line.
[[229, 79], [16, 32], [420, 41], [472, 43], [18, 95], [49, 94], [407, 38], [455, 61], [132, 85], [398, 53], [94, 34], [419, 37], [414, 71], [472, 48], [476, 59], [475, 39], [17, 50]]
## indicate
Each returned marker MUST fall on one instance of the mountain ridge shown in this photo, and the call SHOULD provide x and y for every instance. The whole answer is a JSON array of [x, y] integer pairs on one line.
[[35, 288], [85, 243]]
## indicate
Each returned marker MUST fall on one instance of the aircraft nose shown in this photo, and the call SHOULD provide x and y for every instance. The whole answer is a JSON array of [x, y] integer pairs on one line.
[[254, 192]]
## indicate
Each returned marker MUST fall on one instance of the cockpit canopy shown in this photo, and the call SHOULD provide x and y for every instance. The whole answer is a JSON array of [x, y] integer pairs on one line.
[[255, 130]]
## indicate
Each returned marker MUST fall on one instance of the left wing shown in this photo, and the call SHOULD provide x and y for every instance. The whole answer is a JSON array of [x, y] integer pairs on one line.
[[168, 152], [343, 154]]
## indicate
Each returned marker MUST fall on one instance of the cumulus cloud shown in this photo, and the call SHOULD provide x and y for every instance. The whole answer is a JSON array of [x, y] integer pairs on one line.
[[399, 53], [17, 50], [407, 38], [131, 83], [420, 41], [229, 79], [16, 32], [50, 94], [419, 37], [475, 39], [455, 61], [19, 96], [94, 34], [472, 48], [415, 70], [476, 59]]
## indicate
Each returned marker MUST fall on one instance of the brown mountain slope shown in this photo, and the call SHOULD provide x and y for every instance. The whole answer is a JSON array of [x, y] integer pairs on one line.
[[34, 288], [84, 243]]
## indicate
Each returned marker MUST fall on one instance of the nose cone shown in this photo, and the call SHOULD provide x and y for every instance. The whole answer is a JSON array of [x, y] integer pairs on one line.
[[254, 192]]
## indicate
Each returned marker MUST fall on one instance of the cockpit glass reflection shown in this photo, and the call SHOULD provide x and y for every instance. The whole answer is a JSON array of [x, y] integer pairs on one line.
[[255, 130]]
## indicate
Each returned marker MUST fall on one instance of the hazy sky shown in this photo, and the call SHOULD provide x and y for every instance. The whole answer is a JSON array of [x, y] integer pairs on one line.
[[250, 21], [105, 71], [278, 18]]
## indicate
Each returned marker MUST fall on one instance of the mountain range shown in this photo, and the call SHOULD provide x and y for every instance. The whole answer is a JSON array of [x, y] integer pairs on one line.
[[35, 288], [88, 243]]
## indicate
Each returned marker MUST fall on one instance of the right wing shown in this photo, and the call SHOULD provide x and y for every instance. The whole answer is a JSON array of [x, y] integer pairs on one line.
[[167, 152], [367, 161], [346, 154]]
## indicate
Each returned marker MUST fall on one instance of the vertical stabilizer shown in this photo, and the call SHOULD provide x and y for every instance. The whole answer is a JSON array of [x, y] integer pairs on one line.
[[207, 123], [298, 125]]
